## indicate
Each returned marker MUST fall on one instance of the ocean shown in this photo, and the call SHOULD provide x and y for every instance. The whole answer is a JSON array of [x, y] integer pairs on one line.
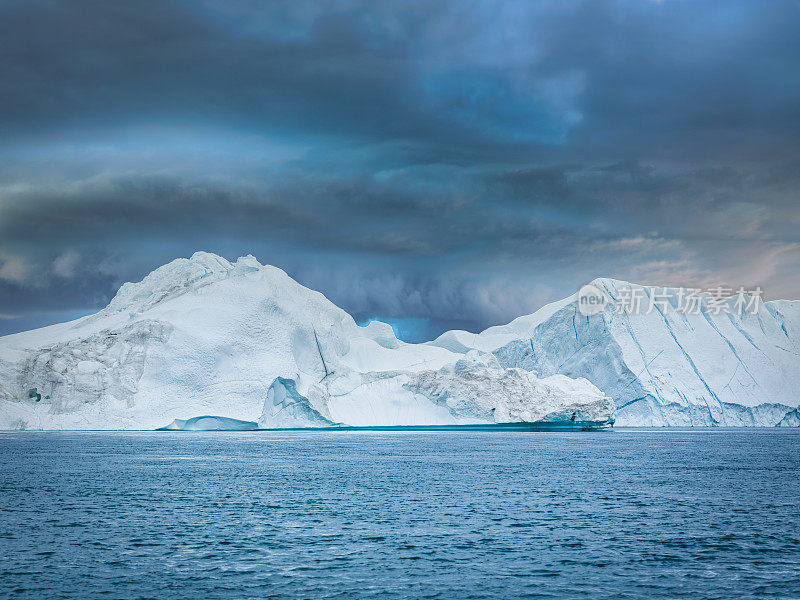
[[664, 513]]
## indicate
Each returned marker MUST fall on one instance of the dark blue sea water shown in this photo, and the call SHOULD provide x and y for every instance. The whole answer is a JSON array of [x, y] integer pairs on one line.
[[621, 514]]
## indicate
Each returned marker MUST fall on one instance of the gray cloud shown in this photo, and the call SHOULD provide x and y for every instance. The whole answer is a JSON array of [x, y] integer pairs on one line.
[[444, 166]]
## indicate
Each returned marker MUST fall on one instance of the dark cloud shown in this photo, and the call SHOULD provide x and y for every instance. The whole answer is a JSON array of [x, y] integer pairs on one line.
[[438, 166]]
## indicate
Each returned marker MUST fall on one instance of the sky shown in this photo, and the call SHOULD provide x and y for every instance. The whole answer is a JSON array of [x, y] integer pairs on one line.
[[435, 165]]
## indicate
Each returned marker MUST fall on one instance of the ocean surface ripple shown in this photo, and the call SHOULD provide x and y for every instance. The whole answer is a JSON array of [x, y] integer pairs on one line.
[[621, 514]]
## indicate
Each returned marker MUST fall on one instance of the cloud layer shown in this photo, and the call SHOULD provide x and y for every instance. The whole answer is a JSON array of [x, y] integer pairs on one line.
[[441, 166]]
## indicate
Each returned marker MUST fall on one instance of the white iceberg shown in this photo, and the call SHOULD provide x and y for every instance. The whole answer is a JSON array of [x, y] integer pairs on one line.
[[205, 336], [209, 423], [662, 367], [472, 390]]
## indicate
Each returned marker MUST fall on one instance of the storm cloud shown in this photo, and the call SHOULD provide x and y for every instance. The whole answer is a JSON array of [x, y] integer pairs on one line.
[[435, 165]]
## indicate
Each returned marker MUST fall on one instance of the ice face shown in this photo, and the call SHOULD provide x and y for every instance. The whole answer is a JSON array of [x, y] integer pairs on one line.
[[285, 407], [669, 368]]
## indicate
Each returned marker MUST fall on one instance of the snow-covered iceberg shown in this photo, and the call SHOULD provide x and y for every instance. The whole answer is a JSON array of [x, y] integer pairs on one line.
[[209, 423], [475, 389], [205, 336], [660, 365]]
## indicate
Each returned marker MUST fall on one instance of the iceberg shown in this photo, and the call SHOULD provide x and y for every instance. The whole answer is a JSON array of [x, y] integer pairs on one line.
[[205, 336], [662, 367], [209, 423], [473, 390]]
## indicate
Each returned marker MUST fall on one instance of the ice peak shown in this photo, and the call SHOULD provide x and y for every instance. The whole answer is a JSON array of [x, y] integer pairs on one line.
[[246, 261], [208, 260], [170, 280], [183, 275]]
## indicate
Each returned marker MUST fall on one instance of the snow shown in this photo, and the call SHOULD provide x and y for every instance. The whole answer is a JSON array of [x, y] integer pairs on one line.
[[203, 335]]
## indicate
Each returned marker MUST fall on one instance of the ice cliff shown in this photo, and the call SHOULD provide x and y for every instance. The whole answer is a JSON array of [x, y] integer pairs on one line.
[[204, 336], [660, 365]]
